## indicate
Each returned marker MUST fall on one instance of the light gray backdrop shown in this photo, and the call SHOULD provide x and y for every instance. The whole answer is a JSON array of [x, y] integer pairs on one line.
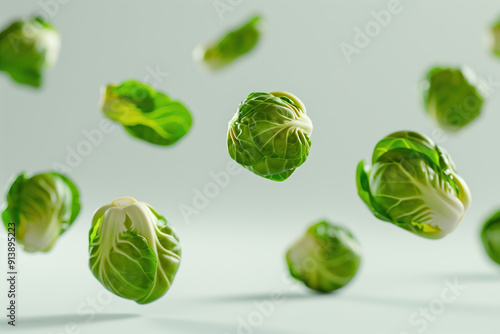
[[233, 248]]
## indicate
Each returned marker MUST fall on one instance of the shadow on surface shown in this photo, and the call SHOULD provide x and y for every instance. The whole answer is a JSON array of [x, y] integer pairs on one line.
[[62, 320], [268, 296], [473, 277], [416, 304], [197, 326]]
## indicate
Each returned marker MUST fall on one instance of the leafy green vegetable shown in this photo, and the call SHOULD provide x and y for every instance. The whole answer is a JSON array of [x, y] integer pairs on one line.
[[145, 113], [133, 251], [42, 208], [235, 44], [28, 47], [490, 236], [326, 258], [412, 183], [452, 97], [495, 38], [269, 134]]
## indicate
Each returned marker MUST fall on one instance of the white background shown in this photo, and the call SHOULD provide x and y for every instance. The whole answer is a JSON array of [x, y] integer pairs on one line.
[[233, 250]]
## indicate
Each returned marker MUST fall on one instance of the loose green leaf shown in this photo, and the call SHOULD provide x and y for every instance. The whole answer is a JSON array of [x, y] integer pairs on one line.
[[146, 114], [452, 97], [490, 236], [269, 134], [412, 183], [326, 258], [134, 253], [42, 208], [232, 46], [27, 48]]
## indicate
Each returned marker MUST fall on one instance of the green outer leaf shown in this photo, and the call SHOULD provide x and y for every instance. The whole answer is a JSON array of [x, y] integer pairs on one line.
[[452, 97], [418, 143], [75, 204], [326, 258], [17, 200], [490, 237], [131, 262], [146, 114], [168, 125], [234, 45], [169, 254], [406, 139], [27, 47], [363, 185]]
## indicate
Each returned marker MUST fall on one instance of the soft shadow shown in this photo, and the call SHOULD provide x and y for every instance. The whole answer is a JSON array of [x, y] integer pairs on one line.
[[63, 319], [268, 296], [197, 326], [412, 303], [473, 277], [493, 276]]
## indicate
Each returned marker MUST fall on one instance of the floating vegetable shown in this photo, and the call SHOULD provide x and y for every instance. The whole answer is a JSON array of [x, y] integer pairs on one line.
[[27, 48], [42, 207], [452, 97], [134, 252], [269, 134], [326, 258], [146, 114], [495, 38], [232, 46], [490, 236], [412, 183]]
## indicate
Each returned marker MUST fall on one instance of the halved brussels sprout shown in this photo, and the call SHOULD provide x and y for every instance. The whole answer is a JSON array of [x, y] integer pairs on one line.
[[326, 258], [412, 183], [146, 114], [133, 251], [42, 207], [452, 97], [232, 46], [269, 134], [28, 47], [490, 236]]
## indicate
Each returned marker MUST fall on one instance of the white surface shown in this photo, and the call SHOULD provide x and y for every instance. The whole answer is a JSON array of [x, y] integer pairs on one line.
[[233, 251]]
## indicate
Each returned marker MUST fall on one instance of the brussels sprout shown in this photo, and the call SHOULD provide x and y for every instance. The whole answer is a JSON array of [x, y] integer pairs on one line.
[[235, 44], [42, 208], [412, 183], [133, 251], [146, 114], [452, 97], [27, 48], [490, 236], [326, 258], [269, 134], [495, 38]]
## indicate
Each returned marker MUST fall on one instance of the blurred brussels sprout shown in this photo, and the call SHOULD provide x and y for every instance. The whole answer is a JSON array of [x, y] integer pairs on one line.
[[42, 208], [235, 44], [495, 38], [133, 251], [452, 97], [326, 258], [490, 236], [412, 183], [146, 114], [269, 134], [27, 48]]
